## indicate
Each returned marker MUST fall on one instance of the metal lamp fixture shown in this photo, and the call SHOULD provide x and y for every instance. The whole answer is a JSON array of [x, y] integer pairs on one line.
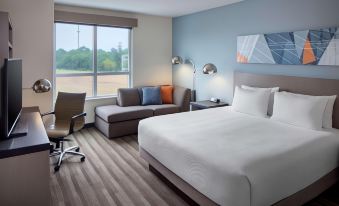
[[42, 85], [177, 60], [209, 69]]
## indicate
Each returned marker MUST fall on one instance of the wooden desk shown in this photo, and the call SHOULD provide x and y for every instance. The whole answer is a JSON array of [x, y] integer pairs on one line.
[[24, 164]]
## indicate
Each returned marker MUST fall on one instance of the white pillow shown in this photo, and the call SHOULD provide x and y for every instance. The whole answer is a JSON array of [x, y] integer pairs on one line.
[[299, 110], [327, 117], [271, 101], [253, 102]]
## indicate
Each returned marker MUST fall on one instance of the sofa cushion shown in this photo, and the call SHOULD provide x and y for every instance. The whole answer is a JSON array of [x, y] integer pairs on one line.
[[128, 97], [115, 113], [151, 96], [164, 109], [167, 94]]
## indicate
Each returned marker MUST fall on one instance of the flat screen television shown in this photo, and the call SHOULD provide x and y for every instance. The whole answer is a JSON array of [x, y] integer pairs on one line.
[[11, 95]]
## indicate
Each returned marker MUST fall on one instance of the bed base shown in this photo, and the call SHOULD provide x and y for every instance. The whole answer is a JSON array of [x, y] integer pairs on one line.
[[194, 197]]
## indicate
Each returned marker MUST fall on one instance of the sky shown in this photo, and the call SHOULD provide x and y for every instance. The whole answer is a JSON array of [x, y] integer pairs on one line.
[[107, 37]]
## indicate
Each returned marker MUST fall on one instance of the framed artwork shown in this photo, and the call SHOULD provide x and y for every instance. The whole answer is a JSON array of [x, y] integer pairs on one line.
[[309, 47]]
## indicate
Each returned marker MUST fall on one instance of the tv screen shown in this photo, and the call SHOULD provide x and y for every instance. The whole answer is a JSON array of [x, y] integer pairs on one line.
[[12, 94]]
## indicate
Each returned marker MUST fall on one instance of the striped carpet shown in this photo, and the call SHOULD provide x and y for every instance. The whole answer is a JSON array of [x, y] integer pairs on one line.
[[114, 174]]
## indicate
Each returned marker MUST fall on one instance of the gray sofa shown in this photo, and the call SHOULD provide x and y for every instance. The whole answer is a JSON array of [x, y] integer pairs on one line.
[[123, 119]]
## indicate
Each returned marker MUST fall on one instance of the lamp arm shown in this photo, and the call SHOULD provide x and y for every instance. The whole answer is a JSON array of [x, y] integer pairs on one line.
[[194, 74], [194, 78], [190, 61]]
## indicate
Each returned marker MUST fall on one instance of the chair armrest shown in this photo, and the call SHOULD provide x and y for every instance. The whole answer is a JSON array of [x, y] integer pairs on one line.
[[182, 97], [71, 128], [47, 113]]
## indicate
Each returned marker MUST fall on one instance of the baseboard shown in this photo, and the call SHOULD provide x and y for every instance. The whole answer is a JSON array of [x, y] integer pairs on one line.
[[88, 125]]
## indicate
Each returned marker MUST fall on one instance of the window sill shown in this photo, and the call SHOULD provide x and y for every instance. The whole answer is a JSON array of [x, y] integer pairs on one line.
[[98, 98]]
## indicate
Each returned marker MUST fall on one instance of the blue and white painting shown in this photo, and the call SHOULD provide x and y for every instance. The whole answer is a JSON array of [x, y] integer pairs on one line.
[[309, 47]]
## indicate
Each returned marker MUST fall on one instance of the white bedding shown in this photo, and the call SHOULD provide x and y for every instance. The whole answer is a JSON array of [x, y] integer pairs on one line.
[[239, 160]]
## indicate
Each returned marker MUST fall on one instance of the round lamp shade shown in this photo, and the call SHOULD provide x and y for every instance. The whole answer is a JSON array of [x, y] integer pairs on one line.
[[177, 60], [209, 69], [42, 85]]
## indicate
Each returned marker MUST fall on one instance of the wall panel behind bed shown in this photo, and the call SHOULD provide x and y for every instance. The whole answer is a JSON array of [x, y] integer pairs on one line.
[[302, 85]]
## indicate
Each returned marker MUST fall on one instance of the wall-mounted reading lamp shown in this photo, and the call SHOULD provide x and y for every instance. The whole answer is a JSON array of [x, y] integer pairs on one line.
[[177, 60], [42, 86], [207, 69]]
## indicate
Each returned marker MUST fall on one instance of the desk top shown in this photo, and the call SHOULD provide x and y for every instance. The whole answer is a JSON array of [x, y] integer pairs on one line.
[[36, 139]]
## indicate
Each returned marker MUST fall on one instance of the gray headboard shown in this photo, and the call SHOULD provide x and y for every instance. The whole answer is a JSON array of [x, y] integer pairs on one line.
[[302, 85]]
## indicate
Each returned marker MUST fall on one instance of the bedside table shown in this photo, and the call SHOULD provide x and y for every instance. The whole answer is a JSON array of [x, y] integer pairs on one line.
[[206, 104]]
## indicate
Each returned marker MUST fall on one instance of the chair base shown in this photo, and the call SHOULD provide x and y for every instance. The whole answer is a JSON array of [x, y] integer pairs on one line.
[[62, 153]]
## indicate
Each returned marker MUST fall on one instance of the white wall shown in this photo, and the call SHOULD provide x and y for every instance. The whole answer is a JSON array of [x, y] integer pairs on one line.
[[33, 43], [151, 51]]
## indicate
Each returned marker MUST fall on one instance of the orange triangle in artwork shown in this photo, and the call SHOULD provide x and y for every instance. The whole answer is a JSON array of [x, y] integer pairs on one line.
[[241, 58], [308, 56]]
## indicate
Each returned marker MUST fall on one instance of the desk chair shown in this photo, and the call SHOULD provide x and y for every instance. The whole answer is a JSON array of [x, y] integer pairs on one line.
[[69, 117]]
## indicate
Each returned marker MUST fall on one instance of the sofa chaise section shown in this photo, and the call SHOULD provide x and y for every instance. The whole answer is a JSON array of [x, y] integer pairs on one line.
[[115, 121]]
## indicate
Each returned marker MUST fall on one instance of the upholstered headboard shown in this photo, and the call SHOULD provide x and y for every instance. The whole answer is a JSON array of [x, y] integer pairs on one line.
[[302, 85]]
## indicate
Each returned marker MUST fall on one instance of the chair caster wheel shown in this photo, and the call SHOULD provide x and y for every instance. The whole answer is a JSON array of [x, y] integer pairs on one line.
[[82, 159], [56, 168], [77, 150]]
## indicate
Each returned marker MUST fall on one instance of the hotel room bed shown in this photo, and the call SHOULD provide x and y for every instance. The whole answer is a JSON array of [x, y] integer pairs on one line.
[[221, 157], [237, 159]]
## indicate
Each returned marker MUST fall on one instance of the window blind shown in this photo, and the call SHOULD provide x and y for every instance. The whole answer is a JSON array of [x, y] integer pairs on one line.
[[93, 19]]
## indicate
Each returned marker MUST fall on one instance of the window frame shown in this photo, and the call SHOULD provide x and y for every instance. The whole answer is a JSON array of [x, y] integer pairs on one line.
[[94, 74]]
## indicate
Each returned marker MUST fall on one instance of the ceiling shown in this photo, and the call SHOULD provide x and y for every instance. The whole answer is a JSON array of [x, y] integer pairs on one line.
[[172, 8]]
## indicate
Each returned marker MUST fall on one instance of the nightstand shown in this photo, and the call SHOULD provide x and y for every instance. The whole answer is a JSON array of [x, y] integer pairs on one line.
[[206, 104]]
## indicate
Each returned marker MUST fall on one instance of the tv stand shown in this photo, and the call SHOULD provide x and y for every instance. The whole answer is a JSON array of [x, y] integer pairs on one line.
[[24, 161]]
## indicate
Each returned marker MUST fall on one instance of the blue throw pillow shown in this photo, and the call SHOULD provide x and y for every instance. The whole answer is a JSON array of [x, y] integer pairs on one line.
[[151, 96]]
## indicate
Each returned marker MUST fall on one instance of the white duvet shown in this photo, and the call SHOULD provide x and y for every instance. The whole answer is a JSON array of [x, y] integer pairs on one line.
[[239, 160]]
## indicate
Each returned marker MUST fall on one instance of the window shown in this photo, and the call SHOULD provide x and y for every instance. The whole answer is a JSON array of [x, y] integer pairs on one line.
[[91, 59]]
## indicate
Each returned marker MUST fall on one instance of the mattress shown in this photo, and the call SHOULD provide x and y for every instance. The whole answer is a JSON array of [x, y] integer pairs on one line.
[[237, 159]]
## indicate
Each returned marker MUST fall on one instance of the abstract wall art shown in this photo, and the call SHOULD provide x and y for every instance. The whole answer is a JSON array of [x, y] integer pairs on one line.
[[309, 47]]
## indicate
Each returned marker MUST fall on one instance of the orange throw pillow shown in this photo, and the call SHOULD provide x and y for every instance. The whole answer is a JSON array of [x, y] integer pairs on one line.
[[167, 94]]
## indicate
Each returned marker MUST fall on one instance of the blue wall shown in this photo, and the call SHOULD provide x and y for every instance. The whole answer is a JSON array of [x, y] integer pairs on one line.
[[210, 37]]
